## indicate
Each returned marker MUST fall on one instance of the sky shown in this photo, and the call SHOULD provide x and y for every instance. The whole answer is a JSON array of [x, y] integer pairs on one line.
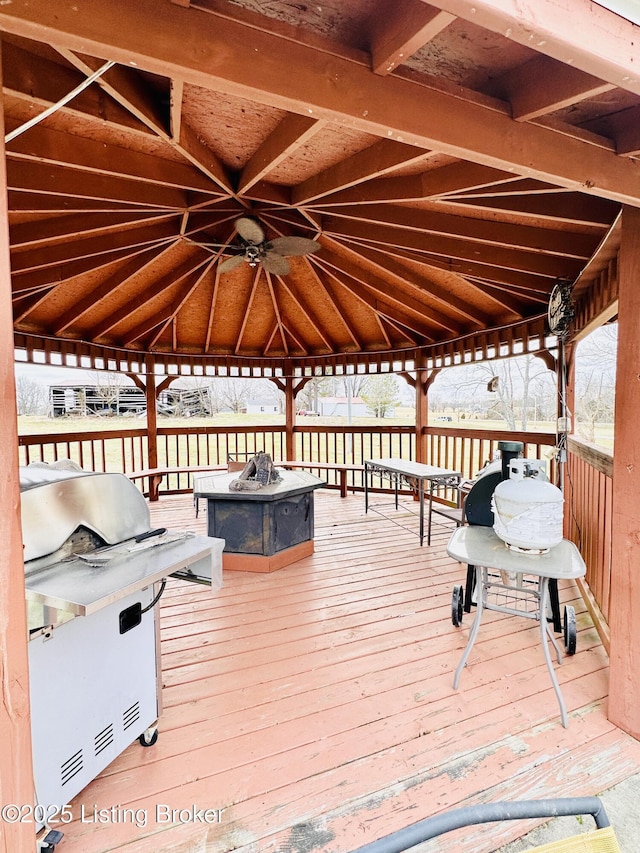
[[629, 9], [46, 375]]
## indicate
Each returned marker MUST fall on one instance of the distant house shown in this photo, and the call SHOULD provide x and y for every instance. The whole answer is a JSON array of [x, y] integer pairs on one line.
[[338, 407], [262, 407]]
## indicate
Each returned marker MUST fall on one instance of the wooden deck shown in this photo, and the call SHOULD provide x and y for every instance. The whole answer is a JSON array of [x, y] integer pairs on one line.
[[312, 709]]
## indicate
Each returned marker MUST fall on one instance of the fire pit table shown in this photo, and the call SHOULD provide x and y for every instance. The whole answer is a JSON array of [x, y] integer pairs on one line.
[[265, 529]]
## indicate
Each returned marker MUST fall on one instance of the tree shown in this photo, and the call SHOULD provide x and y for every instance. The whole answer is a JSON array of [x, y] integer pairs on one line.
[[380, 393], [315, 388], [522, 386], [107, 390], [235, 393], [596, 380], [31, 396]]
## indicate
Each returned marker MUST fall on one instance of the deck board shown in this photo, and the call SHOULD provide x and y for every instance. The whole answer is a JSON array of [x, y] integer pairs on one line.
[[315, 706]]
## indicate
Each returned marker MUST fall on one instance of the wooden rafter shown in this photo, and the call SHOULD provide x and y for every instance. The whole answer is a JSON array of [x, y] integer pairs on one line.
[[471, 131], [408, 26]]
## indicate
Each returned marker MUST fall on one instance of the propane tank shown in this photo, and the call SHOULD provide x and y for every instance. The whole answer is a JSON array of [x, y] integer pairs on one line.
[[527, 508]]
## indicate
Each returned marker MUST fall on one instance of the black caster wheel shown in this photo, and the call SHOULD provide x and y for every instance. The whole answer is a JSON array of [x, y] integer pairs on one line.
[[457, 603], [149, 737], [570, 632]]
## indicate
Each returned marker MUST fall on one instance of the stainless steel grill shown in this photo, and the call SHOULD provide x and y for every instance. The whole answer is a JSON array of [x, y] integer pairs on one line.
[[93, 573]]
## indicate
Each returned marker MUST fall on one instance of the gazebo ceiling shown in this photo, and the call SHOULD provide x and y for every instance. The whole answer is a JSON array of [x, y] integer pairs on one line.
[[453, 161]]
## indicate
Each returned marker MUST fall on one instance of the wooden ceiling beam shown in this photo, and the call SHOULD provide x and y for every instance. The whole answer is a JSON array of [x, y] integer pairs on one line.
[[568, 208], [373, 162], [378, 302], [279, 326], [434, 184], [42, 179], [517, 186], [543, 85], [344, 262], [267, 193], [292, 133], [175, 107], [406, 26], [212, 308], [64, 272], [28, 202], [41, 145], [389, 267], [470, 269], [42, 82], [500, 292], [322, 283], [156, 287], [185, 291], [26, 305], [106, 288], [305, 310], [219, 53], [202, 157], [385, 323], [511, 299], [624, 127], [447, 247], [246, 314], [576, 32], [291, 333], [125, 86], [49, 232], [542, 240], [105, 245]]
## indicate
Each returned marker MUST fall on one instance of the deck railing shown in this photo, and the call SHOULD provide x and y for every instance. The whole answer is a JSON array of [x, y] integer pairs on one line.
[[126, 451], [588, 471], [589, 490]]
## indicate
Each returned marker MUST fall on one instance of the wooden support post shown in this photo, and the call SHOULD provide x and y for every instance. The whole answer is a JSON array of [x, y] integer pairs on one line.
[[422, 410], [16, 769], [289, 390], [290, 417], [624, 673], [152, 420]]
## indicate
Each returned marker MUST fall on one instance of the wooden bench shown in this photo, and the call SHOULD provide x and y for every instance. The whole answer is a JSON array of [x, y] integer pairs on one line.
[[342, 469], [155, 475]]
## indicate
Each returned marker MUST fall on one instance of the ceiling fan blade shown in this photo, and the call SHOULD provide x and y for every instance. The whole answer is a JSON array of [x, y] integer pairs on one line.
[[231, 263], [250, 230], [293, 246], [275, 263]]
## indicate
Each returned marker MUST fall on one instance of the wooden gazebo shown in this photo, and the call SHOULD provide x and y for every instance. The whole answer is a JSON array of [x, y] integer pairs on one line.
[[453, 161]]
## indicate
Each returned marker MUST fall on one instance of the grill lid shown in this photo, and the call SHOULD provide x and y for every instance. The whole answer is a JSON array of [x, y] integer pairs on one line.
[[56, 503]]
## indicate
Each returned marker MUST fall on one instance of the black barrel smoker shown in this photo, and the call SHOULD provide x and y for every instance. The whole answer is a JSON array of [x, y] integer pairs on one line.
[[478, 511]]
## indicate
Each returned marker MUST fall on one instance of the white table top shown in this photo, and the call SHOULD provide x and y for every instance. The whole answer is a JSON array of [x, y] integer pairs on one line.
[[480, 546], [412, 469]]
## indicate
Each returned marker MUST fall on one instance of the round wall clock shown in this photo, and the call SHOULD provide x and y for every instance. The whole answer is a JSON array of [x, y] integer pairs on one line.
[[560, 312]]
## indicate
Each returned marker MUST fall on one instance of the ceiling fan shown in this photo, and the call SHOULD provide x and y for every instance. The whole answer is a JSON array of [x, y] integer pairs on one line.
[[272, 255]]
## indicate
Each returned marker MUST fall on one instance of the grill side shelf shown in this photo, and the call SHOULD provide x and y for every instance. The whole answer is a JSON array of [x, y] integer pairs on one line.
[[77, 587]]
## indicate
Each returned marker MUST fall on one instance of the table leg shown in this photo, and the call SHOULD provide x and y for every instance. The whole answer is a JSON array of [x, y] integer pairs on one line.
[[474, 628], [469, 588], [366, 488], [546, 634], [421, 498]]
